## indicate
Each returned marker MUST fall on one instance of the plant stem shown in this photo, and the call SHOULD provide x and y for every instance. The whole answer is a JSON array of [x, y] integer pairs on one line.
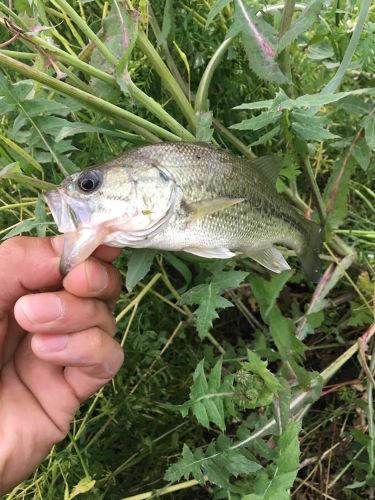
[[18, 55], [201, 98], [219, 127], [316, 193], [163, 491], [134, 122], [335, 82], [148, 102], [284, 27], [65, 7], [167, 78], [303, 397]]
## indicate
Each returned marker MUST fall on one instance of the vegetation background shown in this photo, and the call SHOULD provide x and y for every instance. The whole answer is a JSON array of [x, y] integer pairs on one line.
[[237, 384]]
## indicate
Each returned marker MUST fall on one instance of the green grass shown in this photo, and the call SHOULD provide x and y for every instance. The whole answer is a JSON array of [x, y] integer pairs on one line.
[[127, 436]]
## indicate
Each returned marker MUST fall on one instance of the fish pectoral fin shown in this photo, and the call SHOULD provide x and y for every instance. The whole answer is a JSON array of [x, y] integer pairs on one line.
[[270, 258], [202, 208], [210, 253]]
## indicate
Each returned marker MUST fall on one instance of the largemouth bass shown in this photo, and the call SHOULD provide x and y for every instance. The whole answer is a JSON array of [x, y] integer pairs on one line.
[[183, 196]]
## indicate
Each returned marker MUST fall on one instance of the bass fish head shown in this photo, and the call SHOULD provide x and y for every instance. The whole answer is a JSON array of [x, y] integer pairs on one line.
[[111, 204]]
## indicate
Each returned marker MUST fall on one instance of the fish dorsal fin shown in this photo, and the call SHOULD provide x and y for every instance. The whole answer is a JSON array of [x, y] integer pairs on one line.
[[270, 166], [202, 208], [270, 258]]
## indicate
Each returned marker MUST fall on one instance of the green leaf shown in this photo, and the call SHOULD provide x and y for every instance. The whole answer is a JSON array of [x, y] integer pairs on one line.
[[310, 128], [220, 460], [369, 124], [283, 334], [207, 397], [259, 41], [362, 153], [274, 482], [255, 384], [128, 32], [263, 139], [40, 217], [204, 126], [25, 227], [84, 486], [12, 94], [208, 297], [267, 291], [138, 266], [303, 23], [258, 122], [168, 21], [217, 7], [337, 190]]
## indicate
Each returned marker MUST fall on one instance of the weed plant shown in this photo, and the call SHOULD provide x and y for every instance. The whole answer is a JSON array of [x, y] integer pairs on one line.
[[237, 384]]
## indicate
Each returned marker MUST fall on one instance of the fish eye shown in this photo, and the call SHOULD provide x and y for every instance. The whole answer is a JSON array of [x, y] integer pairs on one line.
[[88, 182]]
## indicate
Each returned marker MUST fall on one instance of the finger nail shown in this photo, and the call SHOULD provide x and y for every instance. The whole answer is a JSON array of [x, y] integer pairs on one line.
[[41, 308], [50, 343], [97, 276], [57, 243]]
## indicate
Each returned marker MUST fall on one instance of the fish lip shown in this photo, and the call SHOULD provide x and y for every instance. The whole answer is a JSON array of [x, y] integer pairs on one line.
[[69, 213], [61, 211]]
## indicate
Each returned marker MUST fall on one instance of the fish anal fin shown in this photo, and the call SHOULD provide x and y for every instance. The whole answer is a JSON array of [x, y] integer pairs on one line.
[[202, 208], [210, 253], [270, 258], [269, 166]]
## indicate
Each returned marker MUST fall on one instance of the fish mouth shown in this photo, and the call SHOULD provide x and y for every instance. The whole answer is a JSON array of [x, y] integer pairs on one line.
[[68, 213]]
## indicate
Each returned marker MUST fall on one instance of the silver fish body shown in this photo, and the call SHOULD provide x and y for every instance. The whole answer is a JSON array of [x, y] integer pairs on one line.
[[183, 196]]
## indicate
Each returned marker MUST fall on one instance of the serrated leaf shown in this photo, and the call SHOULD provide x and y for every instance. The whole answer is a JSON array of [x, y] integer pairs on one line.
[[208, 297], [274, 482], [218, 463], [259, 41], [256, 385], [303, 23], [256, 105], [138, 266], [258, 122], [267, 291], [283, 334], [310, 128], [12, 94], [266, 137], [217, 7]]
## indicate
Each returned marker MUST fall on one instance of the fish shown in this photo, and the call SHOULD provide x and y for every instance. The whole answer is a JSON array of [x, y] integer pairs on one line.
[[184, 196]]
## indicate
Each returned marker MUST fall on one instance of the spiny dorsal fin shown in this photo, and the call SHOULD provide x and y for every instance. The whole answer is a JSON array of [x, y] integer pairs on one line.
[[202, 208], [269, 165]]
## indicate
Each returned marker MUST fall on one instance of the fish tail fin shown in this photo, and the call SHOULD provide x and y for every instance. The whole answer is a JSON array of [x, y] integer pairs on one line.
[[309, 257]]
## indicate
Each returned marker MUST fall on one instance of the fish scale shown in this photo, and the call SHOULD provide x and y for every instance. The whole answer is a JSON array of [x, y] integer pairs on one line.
[[185, 196]]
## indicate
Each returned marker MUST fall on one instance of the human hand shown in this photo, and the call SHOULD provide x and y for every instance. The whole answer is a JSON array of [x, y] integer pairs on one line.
[[56, 346]]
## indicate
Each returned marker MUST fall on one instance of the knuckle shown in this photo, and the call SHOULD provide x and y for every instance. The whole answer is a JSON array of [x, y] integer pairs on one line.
[[14, 249], [96, 340]]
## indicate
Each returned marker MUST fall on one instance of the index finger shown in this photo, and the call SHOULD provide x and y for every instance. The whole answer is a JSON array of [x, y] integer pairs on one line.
[[27, 264]]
